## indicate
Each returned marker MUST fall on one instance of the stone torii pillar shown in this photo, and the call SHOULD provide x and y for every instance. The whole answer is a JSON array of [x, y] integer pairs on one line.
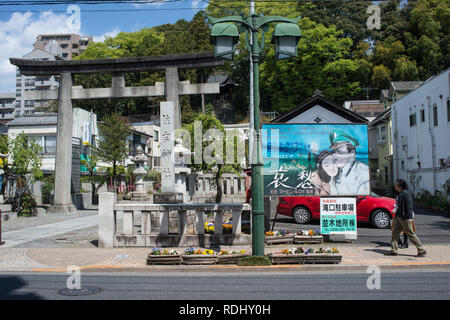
[[63, 164]]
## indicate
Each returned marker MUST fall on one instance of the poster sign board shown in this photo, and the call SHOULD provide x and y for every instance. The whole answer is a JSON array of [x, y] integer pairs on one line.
[[315, 160], [338, 216]]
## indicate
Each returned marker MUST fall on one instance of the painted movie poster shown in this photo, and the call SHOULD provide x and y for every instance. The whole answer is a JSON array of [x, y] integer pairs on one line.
[[315, 160]]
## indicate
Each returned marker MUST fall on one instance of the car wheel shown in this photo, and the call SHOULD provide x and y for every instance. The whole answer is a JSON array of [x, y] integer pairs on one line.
[[381, 219], [301, 215]]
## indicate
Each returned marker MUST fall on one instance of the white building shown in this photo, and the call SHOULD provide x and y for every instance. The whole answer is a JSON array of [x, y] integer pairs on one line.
[[420, 135], [43, 126], [7, 105], [152, 148], [33, 83]]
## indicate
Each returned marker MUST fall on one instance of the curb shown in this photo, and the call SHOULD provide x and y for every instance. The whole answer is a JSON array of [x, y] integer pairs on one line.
[[234, 269]]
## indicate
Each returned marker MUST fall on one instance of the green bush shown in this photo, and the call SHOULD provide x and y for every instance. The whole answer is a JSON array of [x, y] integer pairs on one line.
[[255, 261], [47, 187], [28, 205]]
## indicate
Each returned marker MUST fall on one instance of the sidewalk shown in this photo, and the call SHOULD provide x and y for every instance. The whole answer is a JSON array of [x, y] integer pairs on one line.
[[355, 257]]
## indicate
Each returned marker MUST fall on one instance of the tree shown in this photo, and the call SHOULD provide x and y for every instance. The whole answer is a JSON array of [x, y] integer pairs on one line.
[[25, 165], [96, 180], [112, 146], [219, 165]]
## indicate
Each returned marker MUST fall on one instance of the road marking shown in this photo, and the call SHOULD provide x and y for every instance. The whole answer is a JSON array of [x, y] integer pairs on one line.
[[419, 263], [85, 267]]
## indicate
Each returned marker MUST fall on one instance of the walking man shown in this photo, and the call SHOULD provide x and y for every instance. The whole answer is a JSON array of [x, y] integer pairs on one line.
[[404, 219]]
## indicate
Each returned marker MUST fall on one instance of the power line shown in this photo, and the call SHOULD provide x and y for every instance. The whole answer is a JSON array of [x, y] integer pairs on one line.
[[90, 2]]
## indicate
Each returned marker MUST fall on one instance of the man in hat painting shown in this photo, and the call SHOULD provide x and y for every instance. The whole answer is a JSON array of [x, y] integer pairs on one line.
[[353, 176]]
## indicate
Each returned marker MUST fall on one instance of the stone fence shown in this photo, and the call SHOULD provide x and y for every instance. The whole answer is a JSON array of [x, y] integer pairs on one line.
[[147, 225], [203, 188]]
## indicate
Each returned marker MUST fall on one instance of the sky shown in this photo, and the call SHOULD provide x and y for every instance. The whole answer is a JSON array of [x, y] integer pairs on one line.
[[20, 25]]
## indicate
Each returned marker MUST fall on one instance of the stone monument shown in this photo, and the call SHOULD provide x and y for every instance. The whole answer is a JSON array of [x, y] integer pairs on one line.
[[168, 193]]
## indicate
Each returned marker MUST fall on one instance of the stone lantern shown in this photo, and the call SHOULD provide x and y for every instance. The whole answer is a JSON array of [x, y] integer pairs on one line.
[[139, 162], [182, 156]]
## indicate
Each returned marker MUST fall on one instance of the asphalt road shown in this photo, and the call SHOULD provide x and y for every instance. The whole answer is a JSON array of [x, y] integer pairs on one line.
[[345, 285], [431, 227]]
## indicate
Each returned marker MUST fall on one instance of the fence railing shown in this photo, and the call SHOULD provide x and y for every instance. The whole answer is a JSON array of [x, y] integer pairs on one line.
[[110, 210]]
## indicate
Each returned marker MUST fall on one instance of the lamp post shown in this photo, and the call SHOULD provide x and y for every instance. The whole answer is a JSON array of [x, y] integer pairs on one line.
[[225, 35]]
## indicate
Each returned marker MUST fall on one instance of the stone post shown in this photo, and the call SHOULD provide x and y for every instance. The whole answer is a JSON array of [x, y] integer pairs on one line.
[[63, 165], [171, 90], [106, 219]]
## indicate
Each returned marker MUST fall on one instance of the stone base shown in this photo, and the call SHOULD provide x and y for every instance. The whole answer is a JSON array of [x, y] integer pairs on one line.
[[168, 197], [139, 196], [175, 240], [70, 208]]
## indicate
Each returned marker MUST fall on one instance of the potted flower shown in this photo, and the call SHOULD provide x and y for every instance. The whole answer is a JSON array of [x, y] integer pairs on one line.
[[227, 226], [191, 256], [209, 227], [288, 256], [321, 255], [280, 236], [225, 257], [309, 236], [163, 256]]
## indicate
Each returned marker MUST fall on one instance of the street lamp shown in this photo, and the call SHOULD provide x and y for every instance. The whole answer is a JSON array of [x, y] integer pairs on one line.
[[224, 36], [286, 38]]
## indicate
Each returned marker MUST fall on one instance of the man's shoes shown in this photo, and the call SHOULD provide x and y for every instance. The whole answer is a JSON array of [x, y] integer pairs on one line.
[[403, 246], [422, 254]]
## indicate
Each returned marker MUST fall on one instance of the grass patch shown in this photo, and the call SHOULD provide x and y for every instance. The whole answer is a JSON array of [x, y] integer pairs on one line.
[[255, 261]]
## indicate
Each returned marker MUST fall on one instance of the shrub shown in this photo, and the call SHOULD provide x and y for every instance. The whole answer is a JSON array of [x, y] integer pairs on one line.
[[255, 261]]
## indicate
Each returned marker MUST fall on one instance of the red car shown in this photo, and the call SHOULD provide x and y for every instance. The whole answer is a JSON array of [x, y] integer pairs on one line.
[[373, 209]]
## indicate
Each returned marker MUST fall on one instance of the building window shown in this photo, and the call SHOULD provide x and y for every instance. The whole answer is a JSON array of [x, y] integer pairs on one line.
[[156, 161], [435, 116], [412, 120], [422, 115], [381, 134], [50, 144], [156, 135]]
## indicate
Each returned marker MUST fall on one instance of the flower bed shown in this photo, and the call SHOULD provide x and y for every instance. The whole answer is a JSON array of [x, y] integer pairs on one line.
[[232, 257], [199, 256], [160, 256], [308, 237], [280, 236], [306, 256]]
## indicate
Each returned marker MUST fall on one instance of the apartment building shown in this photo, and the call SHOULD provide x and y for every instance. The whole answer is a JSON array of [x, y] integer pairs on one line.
[[7, 106], [32, 83], [71, 45]]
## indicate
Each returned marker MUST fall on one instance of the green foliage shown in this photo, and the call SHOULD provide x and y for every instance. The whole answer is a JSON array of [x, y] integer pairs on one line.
[[47, 187], [24, 153], [28, 205], [255, 261], [112, 147], [218, 166]]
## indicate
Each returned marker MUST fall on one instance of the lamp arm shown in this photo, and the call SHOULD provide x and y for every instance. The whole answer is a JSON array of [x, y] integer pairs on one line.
[[265, 20], [237, 19]]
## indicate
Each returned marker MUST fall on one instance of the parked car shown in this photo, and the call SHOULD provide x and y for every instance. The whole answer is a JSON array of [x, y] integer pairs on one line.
[[373, 209]]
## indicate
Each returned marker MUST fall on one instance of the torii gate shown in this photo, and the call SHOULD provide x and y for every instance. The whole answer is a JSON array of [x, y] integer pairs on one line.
[[171, 88]]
